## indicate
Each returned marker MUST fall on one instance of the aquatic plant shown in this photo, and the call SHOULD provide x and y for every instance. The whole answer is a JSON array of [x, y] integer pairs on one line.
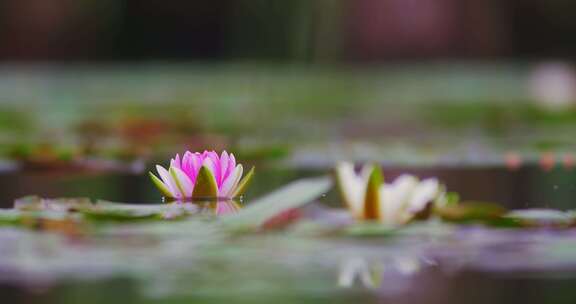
[[368, 198], [202, 175]]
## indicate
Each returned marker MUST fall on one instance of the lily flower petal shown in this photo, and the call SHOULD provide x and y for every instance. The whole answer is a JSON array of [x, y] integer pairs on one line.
[[231, 182], [182, 181], [369, 198], [165, 176], [201, 175], [352, 187], [424, 194]]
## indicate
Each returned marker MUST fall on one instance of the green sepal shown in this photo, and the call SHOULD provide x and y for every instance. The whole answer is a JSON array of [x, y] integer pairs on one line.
[[205, 186], [160, 185], [372, 198], [243, 185]]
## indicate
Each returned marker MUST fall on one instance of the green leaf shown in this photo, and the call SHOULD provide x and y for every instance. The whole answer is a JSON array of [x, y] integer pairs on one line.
[[377, 229], [369, 229], [471, 211], [293, 195], [541, 217], [241, 188], [160, 185], [372, 198], [206, 186], [10, 217], [452, 198], [109, 211], [36, 203]]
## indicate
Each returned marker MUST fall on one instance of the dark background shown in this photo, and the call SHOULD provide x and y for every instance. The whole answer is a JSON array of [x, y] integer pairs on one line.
[[299, 30]]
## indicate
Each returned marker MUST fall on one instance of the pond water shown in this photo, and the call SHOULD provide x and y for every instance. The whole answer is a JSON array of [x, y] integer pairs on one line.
[[456, 123], [188, 262]]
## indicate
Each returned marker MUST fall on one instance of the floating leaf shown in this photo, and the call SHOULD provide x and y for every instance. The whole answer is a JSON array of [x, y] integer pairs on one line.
[[541, 217], [36, 203], [112, 211], [9, 217], [471, 211], [369, 228], [377, 229], [291, 196]]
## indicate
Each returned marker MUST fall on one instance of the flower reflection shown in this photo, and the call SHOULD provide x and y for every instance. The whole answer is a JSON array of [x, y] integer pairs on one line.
[[226, 207], [390, 275], [178, 209], [354, 268]]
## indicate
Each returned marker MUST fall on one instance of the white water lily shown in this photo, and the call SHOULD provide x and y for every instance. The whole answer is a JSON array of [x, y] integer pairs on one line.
[[369, 198]]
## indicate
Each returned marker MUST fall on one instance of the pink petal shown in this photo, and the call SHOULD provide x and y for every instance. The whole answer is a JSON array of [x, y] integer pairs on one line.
[[187, 186], [175, 162], [224, 160], [230, 184], [186, 165], [210, 165], [217, 171], [198, 159]]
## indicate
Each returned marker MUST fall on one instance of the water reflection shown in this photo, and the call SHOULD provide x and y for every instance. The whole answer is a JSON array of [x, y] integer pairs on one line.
[[217, 207], [389, 275]]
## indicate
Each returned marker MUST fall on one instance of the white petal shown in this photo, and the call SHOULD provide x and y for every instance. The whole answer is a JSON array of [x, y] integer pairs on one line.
[[391, 206], [211, 166], [404, 187], [230, 184], [353, 187], [423, 194], [184, 182], [165, 176]]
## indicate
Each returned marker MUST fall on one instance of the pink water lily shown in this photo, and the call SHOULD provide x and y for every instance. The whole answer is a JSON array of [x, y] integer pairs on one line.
[[202, 175]]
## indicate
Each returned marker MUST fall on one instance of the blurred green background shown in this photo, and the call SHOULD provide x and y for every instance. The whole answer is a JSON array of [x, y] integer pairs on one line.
[[101, 89]]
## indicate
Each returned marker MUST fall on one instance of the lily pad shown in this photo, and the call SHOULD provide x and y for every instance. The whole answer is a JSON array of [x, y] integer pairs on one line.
[[10, 217], [294, 195], [471, 212], [36, 203], [541, 217]]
